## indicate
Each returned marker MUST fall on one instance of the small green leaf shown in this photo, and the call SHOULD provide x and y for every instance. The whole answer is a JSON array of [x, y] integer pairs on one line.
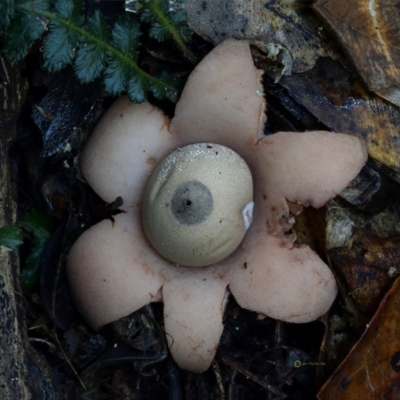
[[119, 72], [69, 9], [41, 227], [38, 223], [179, 18], [172, 86], [21, 34], [159, 32], [137, 90], [58, 48], [126, 35], [158, 89], [10, 237], [60, 43], [146, 15], [116, 77], [91, 57], [166, 23], [6, 14], [33, 6]]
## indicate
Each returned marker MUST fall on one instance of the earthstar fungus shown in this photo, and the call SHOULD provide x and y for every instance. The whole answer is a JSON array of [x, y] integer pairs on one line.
[[112, 268]]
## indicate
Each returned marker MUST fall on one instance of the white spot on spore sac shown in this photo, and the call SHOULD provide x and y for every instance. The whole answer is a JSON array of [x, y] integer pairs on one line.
[[247, 214]]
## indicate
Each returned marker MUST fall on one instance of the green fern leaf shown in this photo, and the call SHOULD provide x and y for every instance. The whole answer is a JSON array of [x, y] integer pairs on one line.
[[6, 14], [167, 23], [137, 89], [25, 29], [158, 90], [125, 37], [172, 86], [87, 45], [91, 58], [179, 18], [165, 87], [32, 6], [159, 32], [60, 43], [116, 77], [41, 227], [69, 9], [146, 15]]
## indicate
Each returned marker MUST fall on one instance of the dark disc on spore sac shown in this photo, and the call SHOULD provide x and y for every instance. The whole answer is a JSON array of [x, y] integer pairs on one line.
[[191, 203]]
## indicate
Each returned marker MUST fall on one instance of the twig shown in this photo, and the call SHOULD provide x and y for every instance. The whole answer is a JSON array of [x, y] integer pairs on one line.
[[254, 378]]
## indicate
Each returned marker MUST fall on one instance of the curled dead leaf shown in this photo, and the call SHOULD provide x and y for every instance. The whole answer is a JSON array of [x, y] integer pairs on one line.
[[370, 34], [372, 369]]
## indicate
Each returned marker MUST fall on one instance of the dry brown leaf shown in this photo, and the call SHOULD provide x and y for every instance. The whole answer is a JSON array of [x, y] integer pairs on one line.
[[288, 31], [370, 34], [369, 267], [372, 369], [339, 100]]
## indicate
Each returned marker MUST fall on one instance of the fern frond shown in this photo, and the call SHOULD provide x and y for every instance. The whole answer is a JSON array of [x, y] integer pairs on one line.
[[93, 48], [60, 43], [24, 27], [167, 23], [91, 57], [6, 14]]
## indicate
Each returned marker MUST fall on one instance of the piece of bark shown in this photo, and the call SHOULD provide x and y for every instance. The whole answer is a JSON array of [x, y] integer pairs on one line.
[[20, 374]]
